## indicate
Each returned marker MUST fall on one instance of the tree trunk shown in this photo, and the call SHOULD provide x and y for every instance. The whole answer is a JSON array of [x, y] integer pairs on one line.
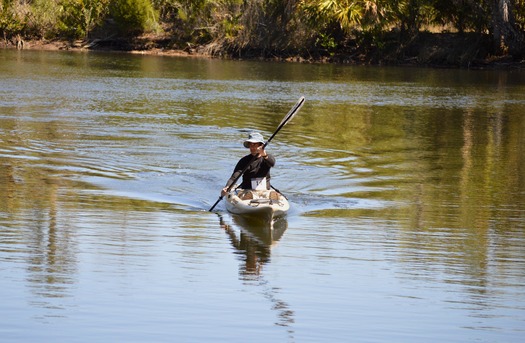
[[507, 38]]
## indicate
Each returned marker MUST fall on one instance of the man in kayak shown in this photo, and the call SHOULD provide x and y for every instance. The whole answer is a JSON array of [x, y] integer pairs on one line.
[[259, 162]]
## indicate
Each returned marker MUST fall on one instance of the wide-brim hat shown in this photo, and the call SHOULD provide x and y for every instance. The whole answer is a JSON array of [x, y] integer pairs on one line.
[[253, 137]]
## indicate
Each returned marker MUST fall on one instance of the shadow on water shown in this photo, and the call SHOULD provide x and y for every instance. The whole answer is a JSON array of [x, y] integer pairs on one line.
[[253, 240]]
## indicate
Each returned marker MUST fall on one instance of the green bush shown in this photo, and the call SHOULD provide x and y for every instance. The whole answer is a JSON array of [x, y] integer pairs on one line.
[[134, 16], [80, 17], [13, 17]]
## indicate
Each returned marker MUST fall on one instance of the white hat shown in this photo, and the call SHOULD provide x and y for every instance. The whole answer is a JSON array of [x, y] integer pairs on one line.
[[253, 137]]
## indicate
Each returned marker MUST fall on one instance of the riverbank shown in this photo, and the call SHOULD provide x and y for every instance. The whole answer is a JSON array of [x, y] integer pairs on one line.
[[427, 50]]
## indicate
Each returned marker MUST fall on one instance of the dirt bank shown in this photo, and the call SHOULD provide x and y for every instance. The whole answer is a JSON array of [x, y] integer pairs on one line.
[[428, 50]]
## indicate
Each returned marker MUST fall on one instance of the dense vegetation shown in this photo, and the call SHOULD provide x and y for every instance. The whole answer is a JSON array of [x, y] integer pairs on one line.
[[372, 31]]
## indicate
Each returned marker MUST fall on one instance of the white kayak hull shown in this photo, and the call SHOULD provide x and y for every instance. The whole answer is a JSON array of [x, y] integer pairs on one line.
[[257, 203]]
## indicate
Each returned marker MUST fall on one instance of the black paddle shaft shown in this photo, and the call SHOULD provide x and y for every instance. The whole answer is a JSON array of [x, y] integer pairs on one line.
[[285, 121]]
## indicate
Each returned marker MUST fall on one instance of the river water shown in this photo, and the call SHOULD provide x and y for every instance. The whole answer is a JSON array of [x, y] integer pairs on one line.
[[407, 189]]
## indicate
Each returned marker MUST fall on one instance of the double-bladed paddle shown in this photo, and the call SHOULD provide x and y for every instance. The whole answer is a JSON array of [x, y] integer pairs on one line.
[[285, 121]]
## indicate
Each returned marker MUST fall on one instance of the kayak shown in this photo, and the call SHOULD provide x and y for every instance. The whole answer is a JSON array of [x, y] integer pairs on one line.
[[258, 203], [263, 203]]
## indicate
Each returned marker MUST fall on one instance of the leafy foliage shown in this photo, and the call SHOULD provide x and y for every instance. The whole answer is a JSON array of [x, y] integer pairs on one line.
[[134, 16], [79, 17], [271, 26], [13, 17]]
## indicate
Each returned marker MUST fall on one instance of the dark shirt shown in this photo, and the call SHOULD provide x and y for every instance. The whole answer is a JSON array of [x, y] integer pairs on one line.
[[259, 168]]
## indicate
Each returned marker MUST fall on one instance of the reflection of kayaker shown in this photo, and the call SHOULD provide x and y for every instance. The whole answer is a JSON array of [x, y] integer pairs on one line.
[[255, 252], [254, 238], [253, 243]]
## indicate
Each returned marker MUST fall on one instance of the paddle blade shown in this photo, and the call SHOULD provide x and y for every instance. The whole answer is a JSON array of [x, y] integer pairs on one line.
[[292, 112], [287, 118], [218, 200]]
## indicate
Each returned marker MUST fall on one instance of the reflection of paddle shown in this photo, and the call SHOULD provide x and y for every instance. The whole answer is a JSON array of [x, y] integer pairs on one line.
[[285, 121]]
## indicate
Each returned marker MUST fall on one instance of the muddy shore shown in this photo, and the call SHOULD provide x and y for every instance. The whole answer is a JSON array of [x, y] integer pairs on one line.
[[436, 51]]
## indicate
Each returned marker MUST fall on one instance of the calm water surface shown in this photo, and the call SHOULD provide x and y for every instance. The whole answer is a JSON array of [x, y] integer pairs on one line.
[[407, 189]]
